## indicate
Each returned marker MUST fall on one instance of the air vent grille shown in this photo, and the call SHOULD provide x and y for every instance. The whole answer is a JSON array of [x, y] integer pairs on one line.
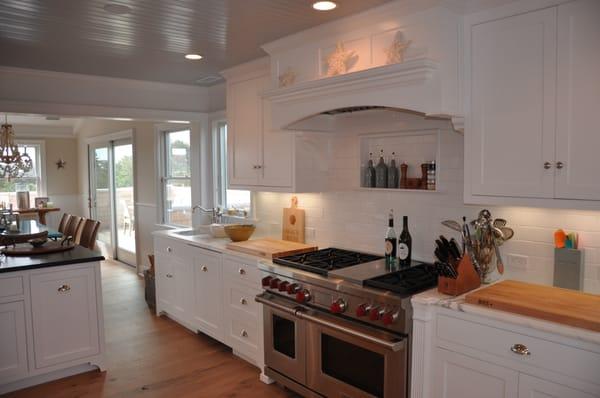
[[351, 109]]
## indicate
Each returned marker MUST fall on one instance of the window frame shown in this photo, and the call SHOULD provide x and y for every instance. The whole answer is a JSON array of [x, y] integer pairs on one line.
[[40, 161], [163, 179]]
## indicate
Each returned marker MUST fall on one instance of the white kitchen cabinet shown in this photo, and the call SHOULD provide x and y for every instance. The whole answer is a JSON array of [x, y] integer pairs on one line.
[[534, 387], [532, 96], [207, 277], [165, 284], [578, 104], [513, 85], [466, 377], [13, 341], [65, 316], [257, 156]]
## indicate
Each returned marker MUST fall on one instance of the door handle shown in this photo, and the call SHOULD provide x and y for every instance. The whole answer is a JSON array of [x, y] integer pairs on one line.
[[64, 288], [547, 165], [560, 165]]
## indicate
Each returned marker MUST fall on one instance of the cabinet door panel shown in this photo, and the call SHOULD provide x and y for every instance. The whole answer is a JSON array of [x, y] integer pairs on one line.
[[459, 376], [183, 286], [13, 346], [165, 284], [208, 294], [244, 118], [578, 137], [513, 94], [532, 387], [65, 321]]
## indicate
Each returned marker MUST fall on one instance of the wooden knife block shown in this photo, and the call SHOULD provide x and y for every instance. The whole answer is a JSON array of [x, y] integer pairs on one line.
[[467, 280]]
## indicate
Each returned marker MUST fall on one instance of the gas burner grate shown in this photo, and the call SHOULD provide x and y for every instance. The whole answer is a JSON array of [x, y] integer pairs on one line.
[[406, 281], [325, 260]]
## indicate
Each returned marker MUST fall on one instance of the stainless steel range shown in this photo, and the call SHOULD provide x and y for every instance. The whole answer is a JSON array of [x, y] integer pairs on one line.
[[337, 323]]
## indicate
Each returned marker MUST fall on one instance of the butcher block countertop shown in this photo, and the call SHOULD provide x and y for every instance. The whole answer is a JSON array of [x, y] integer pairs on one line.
[[270, 248], [568, 307]]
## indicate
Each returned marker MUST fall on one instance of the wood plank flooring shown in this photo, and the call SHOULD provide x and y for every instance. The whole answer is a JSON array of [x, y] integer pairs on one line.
[[148, 356]]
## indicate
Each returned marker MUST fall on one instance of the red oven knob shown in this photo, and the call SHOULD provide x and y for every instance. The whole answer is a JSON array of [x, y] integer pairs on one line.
[[375, 314], [283, 286], [293, 288], [389, 318], [362, 310], [303, 296], [266, 281], [274, 283], [338, 306]]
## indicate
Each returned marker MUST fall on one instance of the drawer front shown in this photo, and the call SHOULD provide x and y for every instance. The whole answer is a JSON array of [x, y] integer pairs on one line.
[[170, 248], [243, 335], [11, 286], [245, 271], [568, 360], [240, 298]]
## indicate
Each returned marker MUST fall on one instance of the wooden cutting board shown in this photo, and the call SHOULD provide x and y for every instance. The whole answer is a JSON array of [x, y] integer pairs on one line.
[[270, 248], [293, 223], [553, 304]]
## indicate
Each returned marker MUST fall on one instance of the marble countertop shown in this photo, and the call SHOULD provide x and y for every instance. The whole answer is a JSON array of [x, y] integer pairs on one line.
[[458, 303], [78, 254]]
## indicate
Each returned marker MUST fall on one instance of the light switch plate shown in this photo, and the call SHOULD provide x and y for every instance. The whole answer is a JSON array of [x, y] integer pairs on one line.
[[518, 261]]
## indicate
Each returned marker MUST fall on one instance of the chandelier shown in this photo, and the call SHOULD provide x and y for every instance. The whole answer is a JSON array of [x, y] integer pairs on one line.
[[13, 164]]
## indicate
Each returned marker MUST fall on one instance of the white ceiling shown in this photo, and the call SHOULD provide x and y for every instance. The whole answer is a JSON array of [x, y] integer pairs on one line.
[[79, 36], [39, 120]]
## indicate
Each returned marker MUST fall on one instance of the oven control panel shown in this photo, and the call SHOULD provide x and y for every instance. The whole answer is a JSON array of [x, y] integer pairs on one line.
[[368, 311]]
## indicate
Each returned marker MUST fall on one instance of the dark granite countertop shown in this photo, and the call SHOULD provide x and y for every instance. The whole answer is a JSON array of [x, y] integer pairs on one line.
[[79, 254]]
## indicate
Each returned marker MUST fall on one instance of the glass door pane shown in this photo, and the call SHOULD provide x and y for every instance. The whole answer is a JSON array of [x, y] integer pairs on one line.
[[100, 193], [124, 200]]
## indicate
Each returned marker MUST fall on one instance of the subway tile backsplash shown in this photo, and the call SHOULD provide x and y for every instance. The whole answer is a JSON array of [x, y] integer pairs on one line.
[[357, 219]]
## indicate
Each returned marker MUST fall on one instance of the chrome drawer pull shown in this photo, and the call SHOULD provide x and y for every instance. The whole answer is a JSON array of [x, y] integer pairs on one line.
[[169, 250], [64, 288], [244, 333], [520, 349], [242, 271], [204, 268], [169, 276], [243, 301]]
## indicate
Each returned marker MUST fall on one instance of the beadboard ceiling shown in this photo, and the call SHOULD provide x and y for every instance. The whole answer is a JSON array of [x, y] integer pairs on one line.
[[149, 43]]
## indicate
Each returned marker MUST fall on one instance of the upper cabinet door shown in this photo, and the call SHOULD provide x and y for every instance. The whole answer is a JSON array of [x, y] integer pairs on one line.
[[578, 136], [512, 107], [244, 118]]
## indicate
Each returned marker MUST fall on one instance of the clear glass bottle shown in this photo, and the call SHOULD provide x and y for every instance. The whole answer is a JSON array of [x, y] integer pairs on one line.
[[431, 176], [370, 173], [381, 173], [393, 173]]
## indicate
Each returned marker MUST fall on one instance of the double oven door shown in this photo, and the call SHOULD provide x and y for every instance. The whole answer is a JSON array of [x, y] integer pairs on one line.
[[331, 356]]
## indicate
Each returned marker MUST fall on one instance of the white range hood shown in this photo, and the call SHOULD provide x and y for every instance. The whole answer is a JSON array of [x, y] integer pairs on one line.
[[399, 95]]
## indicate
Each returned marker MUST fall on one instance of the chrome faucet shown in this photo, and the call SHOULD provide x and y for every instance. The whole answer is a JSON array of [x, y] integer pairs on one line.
[[215, 212]]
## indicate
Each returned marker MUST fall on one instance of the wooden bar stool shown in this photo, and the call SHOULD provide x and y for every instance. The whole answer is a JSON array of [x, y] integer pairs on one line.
[[86, 236], [73, 226], [64, 222]]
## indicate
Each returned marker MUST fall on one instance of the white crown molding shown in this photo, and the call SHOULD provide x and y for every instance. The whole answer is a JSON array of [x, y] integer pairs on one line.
[[249, 70], [41, 131]]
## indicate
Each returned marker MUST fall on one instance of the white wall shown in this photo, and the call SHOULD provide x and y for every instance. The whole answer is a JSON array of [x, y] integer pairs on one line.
[[358, 219]]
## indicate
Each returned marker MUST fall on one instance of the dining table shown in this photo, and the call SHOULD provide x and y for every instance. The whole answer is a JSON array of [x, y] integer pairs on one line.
[[27, 229], [40, 211]]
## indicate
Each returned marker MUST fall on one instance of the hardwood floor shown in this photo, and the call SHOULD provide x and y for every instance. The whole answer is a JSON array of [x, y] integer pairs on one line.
[[155, 357]]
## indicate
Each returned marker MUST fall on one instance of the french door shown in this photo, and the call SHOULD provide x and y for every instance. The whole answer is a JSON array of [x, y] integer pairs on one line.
[[112, 197]]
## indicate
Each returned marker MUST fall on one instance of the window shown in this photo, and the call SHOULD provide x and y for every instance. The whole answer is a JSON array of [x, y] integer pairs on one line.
[[176, 180], [32, 181], [226, 198]]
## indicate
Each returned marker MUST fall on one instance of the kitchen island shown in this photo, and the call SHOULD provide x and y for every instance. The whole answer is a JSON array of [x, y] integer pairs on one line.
[[51, 317]]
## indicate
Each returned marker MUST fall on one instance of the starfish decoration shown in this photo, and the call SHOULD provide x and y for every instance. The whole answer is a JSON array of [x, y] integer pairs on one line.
[[60, 164], [287, 78], [395, 52], [337, 61]]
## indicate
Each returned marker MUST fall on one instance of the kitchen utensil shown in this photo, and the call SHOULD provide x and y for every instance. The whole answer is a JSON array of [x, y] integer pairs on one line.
[[452, 225], [553, 304], [293, 222], [499, 263], [560, 239], [270, 248], [507, 232], [239, 232], [454, 249], [499, 222]]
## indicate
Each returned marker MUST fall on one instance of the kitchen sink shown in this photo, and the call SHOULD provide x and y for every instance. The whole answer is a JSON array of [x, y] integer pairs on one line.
[[200, 230]]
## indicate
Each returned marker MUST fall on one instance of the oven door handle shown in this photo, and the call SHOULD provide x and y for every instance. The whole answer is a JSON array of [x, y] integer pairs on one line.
[[300, 313]]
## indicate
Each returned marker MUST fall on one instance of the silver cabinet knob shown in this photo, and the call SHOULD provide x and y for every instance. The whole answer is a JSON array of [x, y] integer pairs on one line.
[[547, 165], [244, 333], [64, 288], [242, 271], [560, 165], [259, 166], [204, 268], [169, 276], [169, 250], [520, 349], [243, 301]]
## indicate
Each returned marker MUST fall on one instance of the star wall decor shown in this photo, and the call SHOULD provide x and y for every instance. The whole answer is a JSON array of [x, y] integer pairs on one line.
[[287, 78], [395, 52], [60, 163], [338, 60]]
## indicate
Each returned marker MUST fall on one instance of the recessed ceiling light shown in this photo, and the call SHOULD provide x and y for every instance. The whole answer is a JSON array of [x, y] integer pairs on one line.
[[117, 8], [193, 56], [178, 121], [52, 117], [121, 119], [324, 5]]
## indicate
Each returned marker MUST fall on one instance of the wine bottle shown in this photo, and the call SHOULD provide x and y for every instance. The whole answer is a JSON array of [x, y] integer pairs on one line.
[[370, 173], [381, 173], [390, 241], [404, 245]]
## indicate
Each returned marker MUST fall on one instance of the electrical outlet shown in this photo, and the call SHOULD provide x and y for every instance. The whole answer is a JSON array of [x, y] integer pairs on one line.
[[518, 261]]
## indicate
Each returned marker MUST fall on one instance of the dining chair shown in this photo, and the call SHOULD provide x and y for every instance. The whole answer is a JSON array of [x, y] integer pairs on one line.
[[86, 236], [73, 226], [64, 222]]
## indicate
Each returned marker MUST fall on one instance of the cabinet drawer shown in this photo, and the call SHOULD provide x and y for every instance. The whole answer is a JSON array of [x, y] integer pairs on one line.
[[568, 360], [240, 298], [243, 335], [11, 286], [170, 248], [246, 271]]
